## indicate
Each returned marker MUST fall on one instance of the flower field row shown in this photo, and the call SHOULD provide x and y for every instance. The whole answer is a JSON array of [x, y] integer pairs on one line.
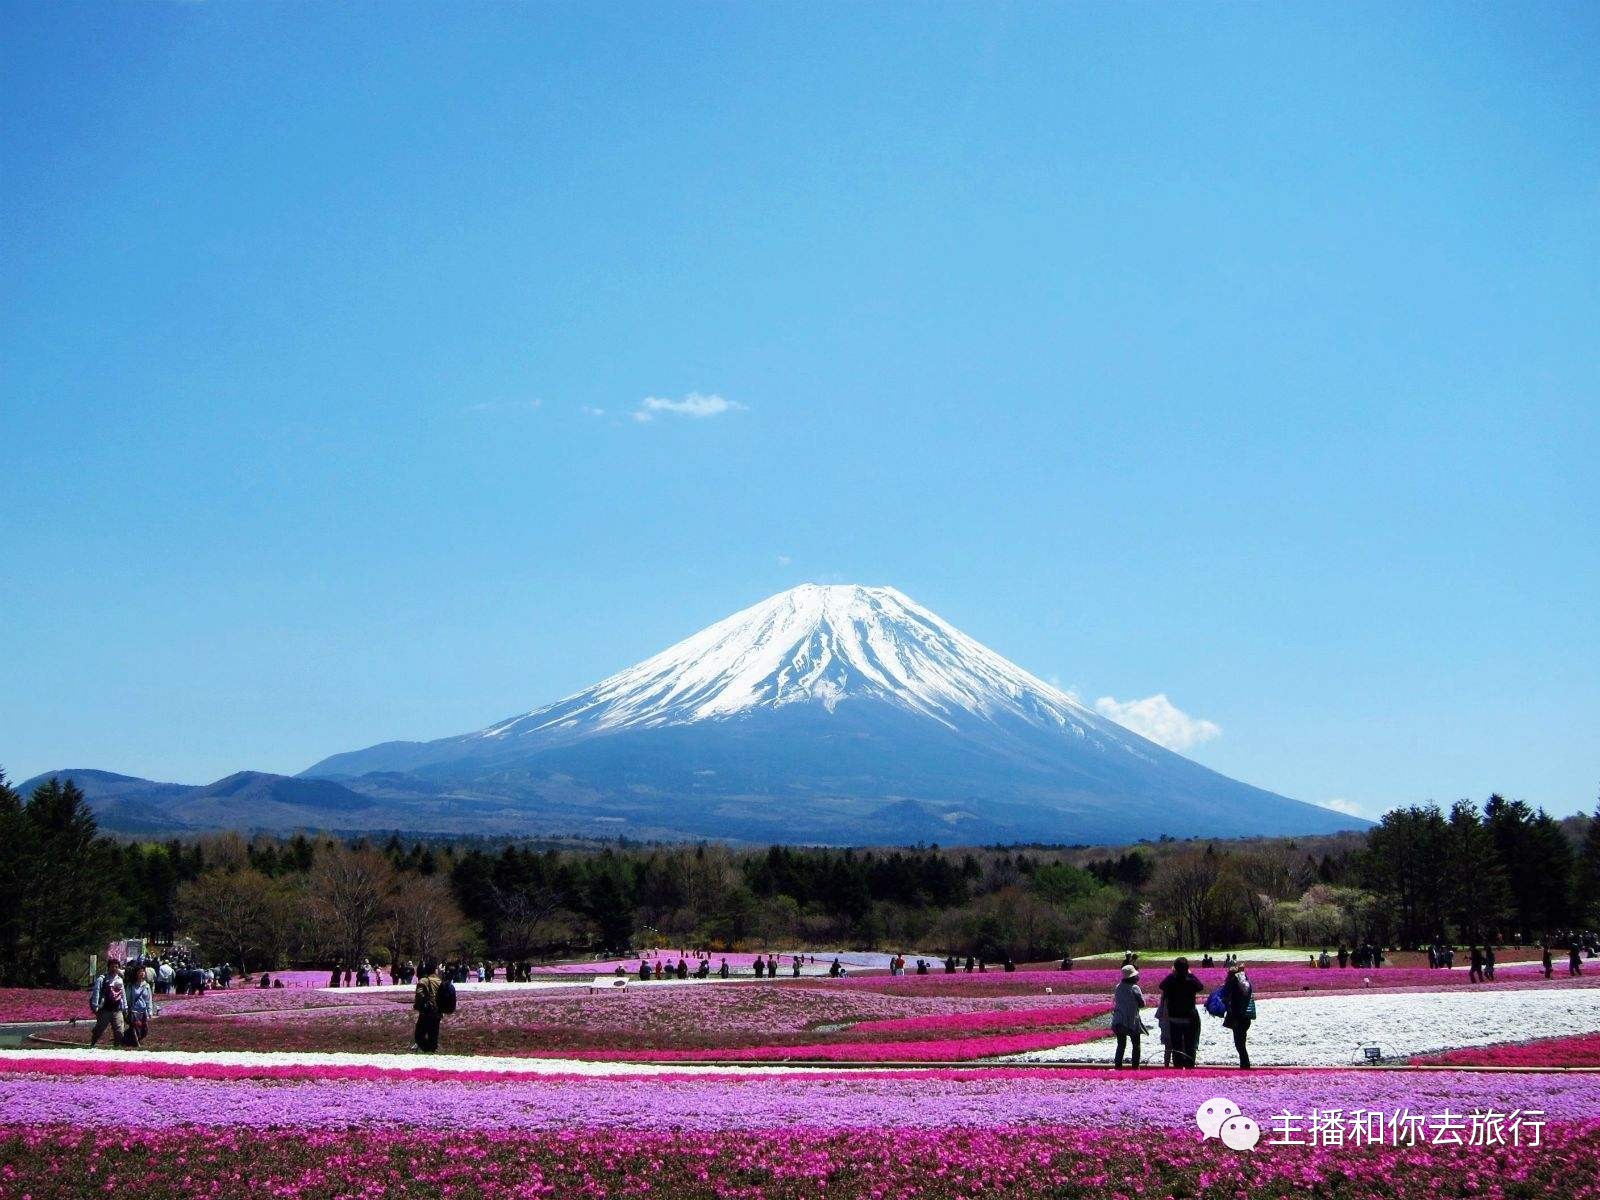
[[338, 1095], [57, 1161], [952, 1049], [982, 1022], [42, 1004], [1580, 1050], [565, 1020]]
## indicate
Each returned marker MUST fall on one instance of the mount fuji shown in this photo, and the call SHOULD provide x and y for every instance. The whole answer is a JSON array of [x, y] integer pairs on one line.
[[830, 714]]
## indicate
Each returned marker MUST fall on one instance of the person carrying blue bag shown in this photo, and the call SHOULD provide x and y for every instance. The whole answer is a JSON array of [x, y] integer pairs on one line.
[[1238, 996]]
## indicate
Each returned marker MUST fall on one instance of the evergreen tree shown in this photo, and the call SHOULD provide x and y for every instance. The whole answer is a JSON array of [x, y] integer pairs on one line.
[[1407, 862], [1550, 857], [1479, 898], [11, 879], [1522, 860], [73, 900], [1586, 877]]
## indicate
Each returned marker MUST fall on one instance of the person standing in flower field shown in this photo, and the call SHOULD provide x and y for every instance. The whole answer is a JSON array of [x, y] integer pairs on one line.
[[108, 997], [1126, 1020], [1178, 991], [141, 1006], [1238, 993], [435, 999]]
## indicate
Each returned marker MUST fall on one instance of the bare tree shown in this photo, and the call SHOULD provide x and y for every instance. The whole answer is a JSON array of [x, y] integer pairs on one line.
[[349, 895], [236, 916], [226, 851], [1179, 888], [425, 923], [534, 922]]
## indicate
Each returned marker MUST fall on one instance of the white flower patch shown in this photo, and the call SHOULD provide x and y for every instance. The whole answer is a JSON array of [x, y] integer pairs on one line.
[[1331, 1030]]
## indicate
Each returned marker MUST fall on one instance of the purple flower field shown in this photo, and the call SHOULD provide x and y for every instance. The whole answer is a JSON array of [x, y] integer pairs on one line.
[[816, 1100]]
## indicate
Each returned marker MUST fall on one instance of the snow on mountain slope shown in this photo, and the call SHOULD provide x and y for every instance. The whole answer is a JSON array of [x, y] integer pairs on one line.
[[817, 645], [837, 714]]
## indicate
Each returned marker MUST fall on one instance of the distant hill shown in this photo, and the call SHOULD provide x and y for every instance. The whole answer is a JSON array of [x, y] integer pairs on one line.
[[245, 800]]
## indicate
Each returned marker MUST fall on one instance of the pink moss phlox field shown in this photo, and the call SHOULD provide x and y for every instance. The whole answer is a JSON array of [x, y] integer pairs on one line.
[[1580, 1050], [56, 1161], [44, 1004], [342, 1097], [954, 1049], [545, 1021], [979, 1022]]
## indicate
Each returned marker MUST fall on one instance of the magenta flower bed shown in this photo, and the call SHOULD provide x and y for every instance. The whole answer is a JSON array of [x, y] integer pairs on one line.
[[1581, 1050], [43, 1004], [955, 1049], [983, 1022], [48, 1162]]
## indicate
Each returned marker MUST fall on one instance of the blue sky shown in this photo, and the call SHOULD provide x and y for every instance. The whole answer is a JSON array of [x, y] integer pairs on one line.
[[1242, 355]]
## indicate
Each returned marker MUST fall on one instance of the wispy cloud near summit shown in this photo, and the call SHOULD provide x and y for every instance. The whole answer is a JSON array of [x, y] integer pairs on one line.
[[694, 405]]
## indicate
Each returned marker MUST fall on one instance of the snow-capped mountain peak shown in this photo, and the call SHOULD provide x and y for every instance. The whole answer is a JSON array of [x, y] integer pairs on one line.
[[815, 644], [841, 714]]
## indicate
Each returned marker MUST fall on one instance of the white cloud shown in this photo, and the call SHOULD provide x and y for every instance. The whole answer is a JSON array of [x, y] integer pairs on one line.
[[1348, 807], [693, 405], [1160, 720], [591, 411], [784, 560]]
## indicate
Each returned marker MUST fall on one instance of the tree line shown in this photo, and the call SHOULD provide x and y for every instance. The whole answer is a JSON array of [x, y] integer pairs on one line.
[[1506, 872]]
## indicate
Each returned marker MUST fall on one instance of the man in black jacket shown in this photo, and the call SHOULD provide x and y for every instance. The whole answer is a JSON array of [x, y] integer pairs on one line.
[[1179, 990]]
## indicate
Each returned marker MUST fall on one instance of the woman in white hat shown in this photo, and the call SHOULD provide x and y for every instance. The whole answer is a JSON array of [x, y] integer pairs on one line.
[[1126, 1003]]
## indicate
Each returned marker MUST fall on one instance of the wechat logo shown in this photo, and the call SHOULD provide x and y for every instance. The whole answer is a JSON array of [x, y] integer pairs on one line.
[[1220, 1118]]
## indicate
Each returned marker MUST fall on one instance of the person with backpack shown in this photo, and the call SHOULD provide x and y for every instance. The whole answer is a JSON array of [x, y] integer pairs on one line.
[[109, 1000], [1238, 997], [1179, 990], [435, 999]]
